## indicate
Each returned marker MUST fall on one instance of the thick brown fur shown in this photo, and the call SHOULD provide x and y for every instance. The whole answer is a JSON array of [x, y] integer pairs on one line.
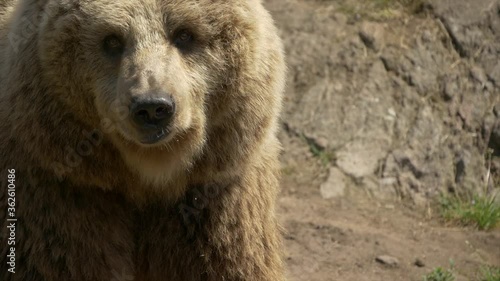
[[94, 204]]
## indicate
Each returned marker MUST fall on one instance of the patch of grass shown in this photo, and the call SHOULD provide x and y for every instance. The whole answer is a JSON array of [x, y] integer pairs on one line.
[[481, 211], [288, 170], [440, 274], [319, 152], [490, 274]]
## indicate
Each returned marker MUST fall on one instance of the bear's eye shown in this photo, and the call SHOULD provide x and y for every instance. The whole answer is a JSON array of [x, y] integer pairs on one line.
[[183, 39], [113, 46]]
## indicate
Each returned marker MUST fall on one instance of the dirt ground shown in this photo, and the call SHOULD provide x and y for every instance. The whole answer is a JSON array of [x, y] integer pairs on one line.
[[340, 240], [387, 107]]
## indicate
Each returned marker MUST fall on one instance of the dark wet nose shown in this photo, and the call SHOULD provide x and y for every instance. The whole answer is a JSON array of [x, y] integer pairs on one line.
[[152, 113]]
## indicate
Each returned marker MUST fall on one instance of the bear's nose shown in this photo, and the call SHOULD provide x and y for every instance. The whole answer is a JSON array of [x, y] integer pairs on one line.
[[152, 113]]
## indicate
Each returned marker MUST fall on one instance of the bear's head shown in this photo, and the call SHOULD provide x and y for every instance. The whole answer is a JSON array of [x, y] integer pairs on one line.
[[169, 82]]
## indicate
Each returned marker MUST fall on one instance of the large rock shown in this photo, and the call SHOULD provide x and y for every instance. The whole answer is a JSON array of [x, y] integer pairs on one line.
[[400, 109], [362, 157]]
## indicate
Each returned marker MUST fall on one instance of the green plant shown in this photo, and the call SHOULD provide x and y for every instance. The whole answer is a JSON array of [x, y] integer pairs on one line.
[[322, 154], [490, 274], [482, 211], [440, 274]]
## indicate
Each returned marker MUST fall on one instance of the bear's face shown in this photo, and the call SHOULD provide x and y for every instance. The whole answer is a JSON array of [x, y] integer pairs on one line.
[[143, 72]]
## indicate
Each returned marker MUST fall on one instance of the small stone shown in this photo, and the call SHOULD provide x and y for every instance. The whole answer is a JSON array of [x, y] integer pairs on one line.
[[335, 185], [450, 89], [427, 36], [389, 181], [367, 38], [388, 261], [478, 74], [419, 263], [372, 35], [361, 157]]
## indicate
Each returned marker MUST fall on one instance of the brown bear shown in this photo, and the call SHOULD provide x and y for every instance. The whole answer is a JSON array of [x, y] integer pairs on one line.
[[138, 140]]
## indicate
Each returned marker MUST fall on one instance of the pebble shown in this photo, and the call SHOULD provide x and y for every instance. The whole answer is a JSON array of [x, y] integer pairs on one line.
[[419, 263], [388, 261]]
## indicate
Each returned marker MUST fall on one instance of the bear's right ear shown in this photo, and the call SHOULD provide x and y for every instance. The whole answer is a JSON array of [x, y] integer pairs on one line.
[[55, 7]]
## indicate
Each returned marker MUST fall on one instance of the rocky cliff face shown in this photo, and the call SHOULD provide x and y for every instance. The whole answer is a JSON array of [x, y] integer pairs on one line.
[[407, 106]]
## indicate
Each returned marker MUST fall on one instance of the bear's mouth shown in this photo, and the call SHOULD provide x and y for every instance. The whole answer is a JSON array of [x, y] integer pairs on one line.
[[155, 137]]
